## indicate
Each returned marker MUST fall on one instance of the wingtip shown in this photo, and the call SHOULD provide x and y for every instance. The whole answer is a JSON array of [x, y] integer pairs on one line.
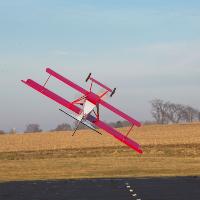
[[47, 69], [23, 81], [139, 124], [140, 151]]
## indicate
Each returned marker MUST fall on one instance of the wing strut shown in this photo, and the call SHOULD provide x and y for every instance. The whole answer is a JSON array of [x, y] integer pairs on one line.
[[47, 80]]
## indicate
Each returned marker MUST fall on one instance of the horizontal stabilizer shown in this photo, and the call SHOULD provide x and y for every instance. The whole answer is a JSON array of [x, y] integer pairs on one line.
[[100, 84]]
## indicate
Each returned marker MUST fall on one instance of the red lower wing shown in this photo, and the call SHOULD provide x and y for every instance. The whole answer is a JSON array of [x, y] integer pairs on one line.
[[122, 138]]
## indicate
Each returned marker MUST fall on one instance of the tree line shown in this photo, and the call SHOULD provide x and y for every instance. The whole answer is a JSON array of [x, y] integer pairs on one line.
[[32, 128], [163, 112]]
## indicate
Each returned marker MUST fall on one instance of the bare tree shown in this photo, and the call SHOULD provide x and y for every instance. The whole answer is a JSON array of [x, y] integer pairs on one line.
[[159, 111], [32, 128], [190, 114], [174, 112]]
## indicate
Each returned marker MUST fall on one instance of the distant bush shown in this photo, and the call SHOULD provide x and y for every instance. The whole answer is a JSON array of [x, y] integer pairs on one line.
[[32, 128], [80, 126], [2, 132], [119, 124], [63, 127]]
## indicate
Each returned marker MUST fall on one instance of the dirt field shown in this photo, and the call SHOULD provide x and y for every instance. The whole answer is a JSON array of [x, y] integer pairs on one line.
[[169, 150]]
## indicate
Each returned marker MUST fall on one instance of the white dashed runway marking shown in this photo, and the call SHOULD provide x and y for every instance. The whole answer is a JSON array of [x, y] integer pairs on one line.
[[131, 190]]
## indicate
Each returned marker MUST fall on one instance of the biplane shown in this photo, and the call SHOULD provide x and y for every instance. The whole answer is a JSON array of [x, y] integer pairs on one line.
[[86, 108]]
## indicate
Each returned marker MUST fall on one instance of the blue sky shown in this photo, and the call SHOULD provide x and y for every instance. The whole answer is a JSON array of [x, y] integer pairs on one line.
[[147, 49]]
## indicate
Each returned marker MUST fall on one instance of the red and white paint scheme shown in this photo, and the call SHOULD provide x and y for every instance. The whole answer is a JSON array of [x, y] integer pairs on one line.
[[86, 108]]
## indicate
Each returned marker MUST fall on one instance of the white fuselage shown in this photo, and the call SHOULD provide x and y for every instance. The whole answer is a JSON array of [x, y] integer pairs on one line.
[[88, 107]]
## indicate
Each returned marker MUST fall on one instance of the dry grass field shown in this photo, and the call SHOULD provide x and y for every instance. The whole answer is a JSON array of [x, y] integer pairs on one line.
[[169, 150]]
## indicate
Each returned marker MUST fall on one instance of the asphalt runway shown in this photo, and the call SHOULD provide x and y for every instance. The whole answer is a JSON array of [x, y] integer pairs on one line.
[[104, 189]]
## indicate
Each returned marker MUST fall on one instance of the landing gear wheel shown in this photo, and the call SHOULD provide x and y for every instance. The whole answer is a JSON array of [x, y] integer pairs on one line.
[[113, 92], [88, 77]]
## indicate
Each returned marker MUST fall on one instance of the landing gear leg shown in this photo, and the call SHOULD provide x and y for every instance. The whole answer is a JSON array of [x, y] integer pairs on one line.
[[77, 127]]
